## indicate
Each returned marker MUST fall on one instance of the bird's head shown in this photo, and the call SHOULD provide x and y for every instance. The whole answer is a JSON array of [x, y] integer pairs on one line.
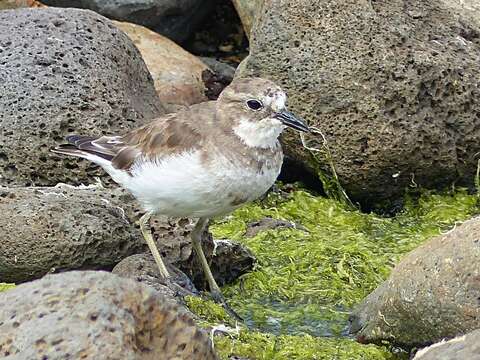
[[257, 111]]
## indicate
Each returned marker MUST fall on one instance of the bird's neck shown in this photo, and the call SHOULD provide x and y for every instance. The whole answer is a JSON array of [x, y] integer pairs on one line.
[[259, 134]]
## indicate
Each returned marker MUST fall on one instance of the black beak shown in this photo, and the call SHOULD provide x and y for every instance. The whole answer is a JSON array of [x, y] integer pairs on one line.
[[287, 118]]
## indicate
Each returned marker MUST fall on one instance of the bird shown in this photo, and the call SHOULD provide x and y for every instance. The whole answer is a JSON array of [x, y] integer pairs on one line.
[[202, 162]]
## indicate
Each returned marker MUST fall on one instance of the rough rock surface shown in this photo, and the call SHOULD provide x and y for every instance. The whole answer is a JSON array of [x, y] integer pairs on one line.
[[177, 74], [95, 315], [393, 86], [142, 268], [65, 71], [55, 229], [175, 19], [460, 348], [247, 11], [433, 293]]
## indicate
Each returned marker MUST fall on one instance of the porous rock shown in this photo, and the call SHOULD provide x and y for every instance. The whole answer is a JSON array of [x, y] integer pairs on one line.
[[433, 293], [65, 71], [247, 11], [45, 229], [460, 348], [95, 315], [393, 86], [176, 73], [171, 18], [142, 268]]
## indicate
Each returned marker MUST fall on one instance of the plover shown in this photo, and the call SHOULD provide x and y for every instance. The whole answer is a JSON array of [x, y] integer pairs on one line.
[[202, 162]]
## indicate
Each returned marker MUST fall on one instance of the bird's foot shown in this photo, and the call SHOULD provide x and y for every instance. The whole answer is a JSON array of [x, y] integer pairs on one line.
[[219, 299]]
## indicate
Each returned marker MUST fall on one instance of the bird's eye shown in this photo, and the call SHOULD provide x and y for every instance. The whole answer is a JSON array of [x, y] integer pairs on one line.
[[254, 104]]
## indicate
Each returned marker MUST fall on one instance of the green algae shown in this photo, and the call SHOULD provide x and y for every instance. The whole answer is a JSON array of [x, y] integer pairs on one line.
[[307, 279], [5, 286]]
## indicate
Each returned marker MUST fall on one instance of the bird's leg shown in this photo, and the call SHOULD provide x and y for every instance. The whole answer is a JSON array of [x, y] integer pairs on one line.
[[197, 245], [147, 235], [214, 288]]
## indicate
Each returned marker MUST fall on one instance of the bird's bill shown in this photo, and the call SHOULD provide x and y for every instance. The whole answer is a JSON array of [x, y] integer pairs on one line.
[[288, 119]]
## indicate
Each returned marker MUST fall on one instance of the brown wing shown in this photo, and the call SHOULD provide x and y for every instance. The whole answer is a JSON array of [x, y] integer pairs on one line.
[[171, 134]]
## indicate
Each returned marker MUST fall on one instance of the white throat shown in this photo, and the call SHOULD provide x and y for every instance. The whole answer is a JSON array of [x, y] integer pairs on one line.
[[262, 134]]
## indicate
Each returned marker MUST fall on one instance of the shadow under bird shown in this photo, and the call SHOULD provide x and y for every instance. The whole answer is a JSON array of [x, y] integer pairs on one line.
[[202, 162]]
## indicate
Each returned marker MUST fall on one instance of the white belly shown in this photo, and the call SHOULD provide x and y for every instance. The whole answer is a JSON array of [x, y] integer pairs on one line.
[[181, 185]]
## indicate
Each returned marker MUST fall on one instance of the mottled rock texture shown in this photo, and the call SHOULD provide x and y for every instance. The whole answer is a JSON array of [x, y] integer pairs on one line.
[[393, 85], [95, 315], [55, 229], [433, 293], [466, 347], [247, 11], [177, 74], [65, 71], [175, 19]]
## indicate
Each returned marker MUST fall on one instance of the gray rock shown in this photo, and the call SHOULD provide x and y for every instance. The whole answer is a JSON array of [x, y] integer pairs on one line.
[[433, 293], [65, 71], [142, 268], [268, 223], [172, 18], [393, 86], [219, 68], [95, 315], [55, 229], [466, 347]]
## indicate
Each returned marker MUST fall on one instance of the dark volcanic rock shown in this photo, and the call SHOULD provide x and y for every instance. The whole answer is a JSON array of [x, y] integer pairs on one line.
[[173, 18], [393, 85], [62, 228], [142, 268], [433, 293], [65, 71], [95, 315], [466, 347]]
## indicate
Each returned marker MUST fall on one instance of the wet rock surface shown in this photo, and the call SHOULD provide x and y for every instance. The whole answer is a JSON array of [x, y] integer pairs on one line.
[[95, 315], [392, 86], [171, 18], [177, 74], [65, 71], [433, 293], [55, 229], [460, 348]]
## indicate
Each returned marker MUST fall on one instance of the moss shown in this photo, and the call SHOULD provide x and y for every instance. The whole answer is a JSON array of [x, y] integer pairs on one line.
[[209, 311], [308, 279], [4, 286], [255, 345]]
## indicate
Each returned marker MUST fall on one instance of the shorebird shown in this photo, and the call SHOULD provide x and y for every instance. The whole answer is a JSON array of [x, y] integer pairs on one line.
[[202, 162]]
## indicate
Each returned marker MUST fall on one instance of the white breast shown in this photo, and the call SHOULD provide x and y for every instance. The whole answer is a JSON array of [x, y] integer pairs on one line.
[[183, 186]]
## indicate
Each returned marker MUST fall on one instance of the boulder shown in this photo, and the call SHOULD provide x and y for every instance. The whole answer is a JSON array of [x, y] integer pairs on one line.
[[247, 11], [172, 18], [95, 315], [393, 86], [14, 4], [65, 71], [460, 348], [56, 229], [433, 293], [176, 73]]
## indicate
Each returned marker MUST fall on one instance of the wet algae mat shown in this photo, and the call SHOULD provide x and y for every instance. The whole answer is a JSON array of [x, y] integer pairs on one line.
[[296, 301]]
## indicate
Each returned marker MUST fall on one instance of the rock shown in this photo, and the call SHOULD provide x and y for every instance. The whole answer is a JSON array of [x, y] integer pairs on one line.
[[95, 315], [176, 73], [433, 293], [248, 10], [174, 19], [65, 71], [267, 224], [394, 87], [220, 68], [14, 4], [57, 229], [214, 83], [142, 268], [460, 348]]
